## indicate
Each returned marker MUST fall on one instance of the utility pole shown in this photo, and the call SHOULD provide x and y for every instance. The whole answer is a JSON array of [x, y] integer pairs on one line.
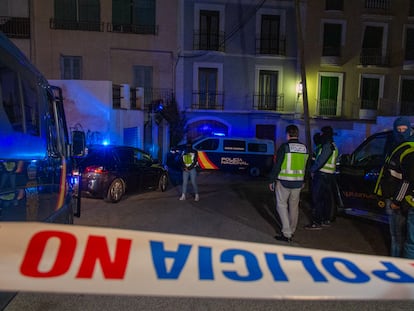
[[303, 76]]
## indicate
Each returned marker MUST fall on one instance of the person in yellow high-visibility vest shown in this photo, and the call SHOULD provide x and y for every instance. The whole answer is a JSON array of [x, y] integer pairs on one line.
[[395, 184], [189, 160], [323, 180], [287, 179]]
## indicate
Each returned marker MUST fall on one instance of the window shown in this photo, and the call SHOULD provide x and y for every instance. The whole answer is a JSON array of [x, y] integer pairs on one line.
[[207, 87], [332, 34], [256, 147], [270, 35], [267, 98], [334, 5], [71, 67], [77, 15], [330, 94], [136, 16], [411, 8], [409, 44], [373, 46], [234, 145], [12, 117], [407, 96], [143, 77], [208, 144], [371, 91], [209, 30]]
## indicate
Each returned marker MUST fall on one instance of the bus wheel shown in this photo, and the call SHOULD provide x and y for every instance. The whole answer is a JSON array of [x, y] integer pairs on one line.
[[254, 171], [116, 191]]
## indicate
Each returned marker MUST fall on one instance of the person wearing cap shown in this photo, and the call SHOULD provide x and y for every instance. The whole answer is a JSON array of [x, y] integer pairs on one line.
[[287, 179], [189, 160], [323, 180], [395, 185]]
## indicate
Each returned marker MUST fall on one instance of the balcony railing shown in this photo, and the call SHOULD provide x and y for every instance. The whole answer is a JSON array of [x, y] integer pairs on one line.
[[76, 25], [271, 102], [369, 104], [208, 100], [116, 96], [130, 28], [327, 107], [272, 47], [208, 41], [15, 27], [373, 57], [378, 4], [157, 94]]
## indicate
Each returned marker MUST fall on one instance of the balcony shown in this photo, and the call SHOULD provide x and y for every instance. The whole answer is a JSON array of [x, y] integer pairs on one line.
[[327, 107], [76, 25], [134, 29], [374, 57], [271, 47], [15, 27], [380, 7], [208, 100], [272, 102], [213, 41]]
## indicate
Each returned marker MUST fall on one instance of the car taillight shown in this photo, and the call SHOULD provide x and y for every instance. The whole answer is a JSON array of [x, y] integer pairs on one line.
[[95, 169]]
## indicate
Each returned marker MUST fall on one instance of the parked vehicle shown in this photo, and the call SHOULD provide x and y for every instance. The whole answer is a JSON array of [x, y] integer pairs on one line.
[[357, 176], [230, 154], [35, 155], [109, 172]]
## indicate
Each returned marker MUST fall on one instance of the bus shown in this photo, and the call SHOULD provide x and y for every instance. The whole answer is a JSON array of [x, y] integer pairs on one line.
[[36, 156]]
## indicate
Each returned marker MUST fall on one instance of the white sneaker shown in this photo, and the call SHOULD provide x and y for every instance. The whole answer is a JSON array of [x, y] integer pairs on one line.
[[197, 197], [182, 197]]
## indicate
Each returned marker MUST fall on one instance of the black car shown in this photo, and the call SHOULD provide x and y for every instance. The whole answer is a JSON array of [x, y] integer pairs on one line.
[[109, 172], [357, 176]]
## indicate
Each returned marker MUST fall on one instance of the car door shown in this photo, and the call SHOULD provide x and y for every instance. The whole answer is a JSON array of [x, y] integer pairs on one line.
[[357, 177], [148, 174], [126, 168]]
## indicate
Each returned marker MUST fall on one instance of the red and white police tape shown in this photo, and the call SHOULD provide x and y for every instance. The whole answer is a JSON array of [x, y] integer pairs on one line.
[[43, 257]]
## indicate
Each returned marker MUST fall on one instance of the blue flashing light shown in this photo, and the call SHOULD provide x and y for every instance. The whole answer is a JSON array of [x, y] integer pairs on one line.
[[219, 134], [105, 142]]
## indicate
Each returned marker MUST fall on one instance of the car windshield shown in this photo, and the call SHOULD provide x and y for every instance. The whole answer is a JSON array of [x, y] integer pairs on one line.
[[372, 151]]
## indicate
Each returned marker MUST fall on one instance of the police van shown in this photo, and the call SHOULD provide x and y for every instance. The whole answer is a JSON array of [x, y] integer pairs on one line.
[[253, 155], [36, 157]]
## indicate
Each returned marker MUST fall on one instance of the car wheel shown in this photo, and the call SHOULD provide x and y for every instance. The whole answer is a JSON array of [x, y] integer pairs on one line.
[[254, 171], [116, 191], [163, 182]]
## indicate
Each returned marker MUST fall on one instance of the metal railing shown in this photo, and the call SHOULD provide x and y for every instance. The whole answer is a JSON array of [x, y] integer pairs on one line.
[[378, 4], [76, 25], [209, 41], [327, 107], [208, 100], [270, 102], [369, 104], [374, 57], [15, 27], [271, 46], [130, 28]]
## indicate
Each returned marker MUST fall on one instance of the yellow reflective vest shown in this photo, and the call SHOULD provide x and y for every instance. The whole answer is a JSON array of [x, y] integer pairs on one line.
[[294, 163]]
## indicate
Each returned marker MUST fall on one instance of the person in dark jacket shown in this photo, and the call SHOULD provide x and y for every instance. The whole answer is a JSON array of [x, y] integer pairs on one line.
[[396, 178], [323, 180], [189, 160], [287, 179]]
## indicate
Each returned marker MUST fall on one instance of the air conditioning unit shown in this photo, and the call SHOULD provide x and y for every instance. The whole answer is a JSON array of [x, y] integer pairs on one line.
[[125, 103]]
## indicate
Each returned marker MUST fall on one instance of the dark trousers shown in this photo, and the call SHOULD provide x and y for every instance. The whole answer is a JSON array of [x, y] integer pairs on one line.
[[322, 196]]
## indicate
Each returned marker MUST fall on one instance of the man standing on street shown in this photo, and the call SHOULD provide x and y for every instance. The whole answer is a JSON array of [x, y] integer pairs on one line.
[[323, 180], [287, 180], [395, 184], [189, 160]]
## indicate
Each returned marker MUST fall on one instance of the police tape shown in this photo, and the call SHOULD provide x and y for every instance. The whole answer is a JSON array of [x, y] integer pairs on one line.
[[41, 257]]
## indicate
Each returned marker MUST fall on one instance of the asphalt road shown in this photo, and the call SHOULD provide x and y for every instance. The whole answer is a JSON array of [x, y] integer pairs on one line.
[[232, 207]]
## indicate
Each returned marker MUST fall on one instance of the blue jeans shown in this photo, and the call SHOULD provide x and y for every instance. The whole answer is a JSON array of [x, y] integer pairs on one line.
[[409, 243], [397, 225], [192, 174]]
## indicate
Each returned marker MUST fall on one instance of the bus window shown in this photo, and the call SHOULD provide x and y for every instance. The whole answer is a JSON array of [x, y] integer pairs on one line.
[[208, 144], [234, 145], [256, 147], [11, 99], [31, 115]]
